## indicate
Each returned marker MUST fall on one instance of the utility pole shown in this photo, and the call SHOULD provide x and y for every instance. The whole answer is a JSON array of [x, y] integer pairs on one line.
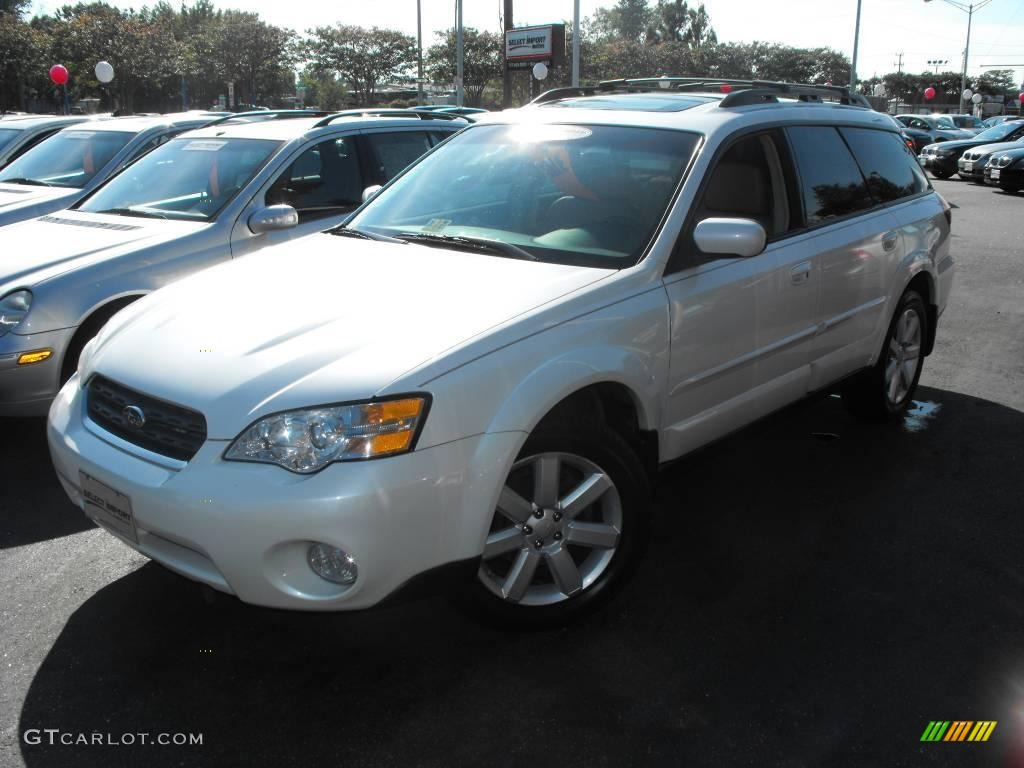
[[576, 44], [506, 76], [969, 9], [899, 63], [856, 41], [419, 52], [459, 45]]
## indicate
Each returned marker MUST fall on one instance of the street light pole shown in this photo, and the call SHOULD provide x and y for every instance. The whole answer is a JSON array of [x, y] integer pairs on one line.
[[458, 53], [969, 9], [576, 43], [419, 52], [856, 41]]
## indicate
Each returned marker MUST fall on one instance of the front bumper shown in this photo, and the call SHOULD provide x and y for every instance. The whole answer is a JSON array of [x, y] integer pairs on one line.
[[937, 163], [245, 528], [976, 172], [26, 390], [1009, 177]]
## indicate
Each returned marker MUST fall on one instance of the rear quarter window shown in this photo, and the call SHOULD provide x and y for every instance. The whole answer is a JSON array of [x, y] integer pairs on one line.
[[891, 170]]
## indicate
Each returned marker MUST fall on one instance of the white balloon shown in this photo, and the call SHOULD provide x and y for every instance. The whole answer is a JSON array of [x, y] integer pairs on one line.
[[967, 93], [540, 70], [976, 98], [104, 72], [879, 90]]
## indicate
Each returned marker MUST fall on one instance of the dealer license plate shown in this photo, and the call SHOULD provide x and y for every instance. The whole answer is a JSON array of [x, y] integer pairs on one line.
[[108, 507]]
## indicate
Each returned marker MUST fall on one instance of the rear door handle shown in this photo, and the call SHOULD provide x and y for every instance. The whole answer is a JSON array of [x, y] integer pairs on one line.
[[889, 241], [801, 273]]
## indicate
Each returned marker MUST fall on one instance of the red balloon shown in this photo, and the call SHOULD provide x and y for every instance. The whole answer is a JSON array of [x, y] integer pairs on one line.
[[725, 88], [929, 93], [59, 74], [1020, 97]]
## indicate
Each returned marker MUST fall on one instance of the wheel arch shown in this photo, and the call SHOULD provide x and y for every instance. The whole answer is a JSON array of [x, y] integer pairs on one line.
[[93, 320]]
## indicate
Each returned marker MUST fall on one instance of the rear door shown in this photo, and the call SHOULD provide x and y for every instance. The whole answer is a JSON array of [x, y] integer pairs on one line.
[[858, 242]]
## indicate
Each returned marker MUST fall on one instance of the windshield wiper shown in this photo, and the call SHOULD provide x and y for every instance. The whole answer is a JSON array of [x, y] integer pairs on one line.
[[33, 182], [362, 234], [481, 244], [133, 212]]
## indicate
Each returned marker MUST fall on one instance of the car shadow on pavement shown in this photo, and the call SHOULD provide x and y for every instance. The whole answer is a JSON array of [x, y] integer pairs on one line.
[[816, 590], [33, 506]]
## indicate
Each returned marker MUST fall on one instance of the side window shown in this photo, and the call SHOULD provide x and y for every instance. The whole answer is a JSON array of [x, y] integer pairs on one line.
[[747, 182], [831, 183], [392, 152], [891, 170], [322, 181]]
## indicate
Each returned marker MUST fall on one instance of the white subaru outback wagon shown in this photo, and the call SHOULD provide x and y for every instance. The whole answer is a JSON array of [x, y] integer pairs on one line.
[[480, 372]]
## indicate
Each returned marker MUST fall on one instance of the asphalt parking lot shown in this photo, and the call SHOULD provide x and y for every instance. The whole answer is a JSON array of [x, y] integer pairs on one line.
[[816, 591]]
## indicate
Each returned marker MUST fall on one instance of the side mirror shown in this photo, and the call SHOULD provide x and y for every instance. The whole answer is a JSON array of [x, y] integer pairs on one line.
[[370, 192], [731, 237], [273, 218]]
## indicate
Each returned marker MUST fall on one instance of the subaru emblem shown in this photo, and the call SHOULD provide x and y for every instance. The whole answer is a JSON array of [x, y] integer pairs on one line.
[[134, 416]]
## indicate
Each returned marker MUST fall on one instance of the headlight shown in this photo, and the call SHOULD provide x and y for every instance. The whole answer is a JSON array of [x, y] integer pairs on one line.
[[308, 440], [13, 308]]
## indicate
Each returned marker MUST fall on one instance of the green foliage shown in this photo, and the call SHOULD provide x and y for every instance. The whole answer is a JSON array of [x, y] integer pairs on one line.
[[364, 57], [483, 59], [997, 82]]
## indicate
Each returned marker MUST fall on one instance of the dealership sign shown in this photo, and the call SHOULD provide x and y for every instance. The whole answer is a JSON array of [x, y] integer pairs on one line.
[[526, 45]]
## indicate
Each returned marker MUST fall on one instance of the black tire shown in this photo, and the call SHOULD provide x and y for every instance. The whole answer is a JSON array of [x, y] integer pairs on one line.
[[940, 174], [866, 393], [614, 456], [1010, 190]]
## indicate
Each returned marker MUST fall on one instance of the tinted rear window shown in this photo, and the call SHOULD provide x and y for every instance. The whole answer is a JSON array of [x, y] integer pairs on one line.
[[831, 182], [891, 170]]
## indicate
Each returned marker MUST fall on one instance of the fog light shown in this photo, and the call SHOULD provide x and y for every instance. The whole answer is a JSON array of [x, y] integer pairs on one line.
[[333, 564]]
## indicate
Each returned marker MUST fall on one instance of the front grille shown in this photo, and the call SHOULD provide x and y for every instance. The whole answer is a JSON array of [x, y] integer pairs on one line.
[[168, 429]]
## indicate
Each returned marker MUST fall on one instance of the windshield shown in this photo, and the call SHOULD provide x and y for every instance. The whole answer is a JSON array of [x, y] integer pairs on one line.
[[997, 132], [69, 158], [183, 179], [966, 121], [7, 136], [573, 194]]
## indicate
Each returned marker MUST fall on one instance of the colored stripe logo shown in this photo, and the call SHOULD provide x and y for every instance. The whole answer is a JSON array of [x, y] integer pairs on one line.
[[958, 730]]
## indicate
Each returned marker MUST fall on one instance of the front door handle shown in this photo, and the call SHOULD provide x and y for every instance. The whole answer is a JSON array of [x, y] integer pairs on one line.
[[889, 241], [801, 273]]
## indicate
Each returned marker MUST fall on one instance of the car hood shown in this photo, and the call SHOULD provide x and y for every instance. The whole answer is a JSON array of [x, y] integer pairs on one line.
[[989, 149], [961, 145], [319, 320], [41, 248], [22, 201]]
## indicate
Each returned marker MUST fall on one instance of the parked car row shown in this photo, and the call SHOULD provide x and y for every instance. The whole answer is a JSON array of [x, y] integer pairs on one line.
[[475, 371], [970, 158]]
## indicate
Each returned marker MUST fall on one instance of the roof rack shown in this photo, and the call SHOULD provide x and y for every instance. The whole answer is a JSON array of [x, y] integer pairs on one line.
[[387, 112], [740, 92], [270, 114]]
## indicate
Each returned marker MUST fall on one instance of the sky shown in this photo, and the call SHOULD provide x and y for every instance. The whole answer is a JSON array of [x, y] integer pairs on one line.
[[921, 30]]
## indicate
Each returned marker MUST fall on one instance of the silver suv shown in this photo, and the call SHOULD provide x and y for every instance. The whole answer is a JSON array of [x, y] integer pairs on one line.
[[485, 365], [204, 197]]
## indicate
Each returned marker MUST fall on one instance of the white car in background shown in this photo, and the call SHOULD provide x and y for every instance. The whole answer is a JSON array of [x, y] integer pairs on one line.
[[481, 371]]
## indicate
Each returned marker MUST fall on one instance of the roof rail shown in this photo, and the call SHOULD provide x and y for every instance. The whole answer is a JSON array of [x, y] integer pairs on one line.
[[270, 114], [388, 112], [738, 92]]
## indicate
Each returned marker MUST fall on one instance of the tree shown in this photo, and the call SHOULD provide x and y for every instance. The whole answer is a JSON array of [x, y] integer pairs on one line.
[[14, 7], [257, 55], [699, 31], [483, 59], [997, 82], [364, 57], [21, 50], [669, 21], [322, 89], [626, 21]]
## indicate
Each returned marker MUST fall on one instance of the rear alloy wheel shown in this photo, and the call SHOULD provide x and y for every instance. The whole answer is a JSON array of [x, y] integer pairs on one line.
[[886, 389], [569, 522]]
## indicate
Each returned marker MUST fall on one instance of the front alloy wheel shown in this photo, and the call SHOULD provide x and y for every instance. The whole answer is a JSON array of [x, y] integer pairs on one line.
[[570, 520], [554, 532]]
